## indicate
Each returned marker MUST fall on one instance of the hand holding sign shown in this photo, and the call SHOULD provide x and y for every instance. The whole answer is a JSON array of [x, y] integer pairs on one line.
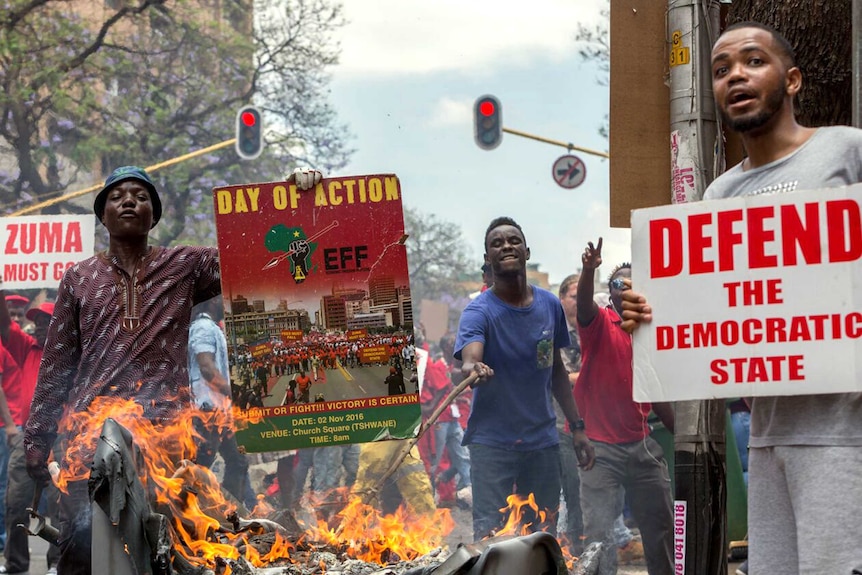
[[636, 310], [592, 257]]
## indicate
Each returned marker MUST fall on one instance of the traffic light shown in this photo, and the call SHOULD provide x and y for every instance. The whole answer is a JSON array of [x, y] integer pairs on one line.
[[487, 122], [249, 133]]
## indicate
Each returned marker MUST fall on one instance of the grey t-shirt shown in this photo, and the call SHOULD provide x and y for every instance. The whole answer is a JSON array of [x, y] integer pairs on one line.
[[831, 157]]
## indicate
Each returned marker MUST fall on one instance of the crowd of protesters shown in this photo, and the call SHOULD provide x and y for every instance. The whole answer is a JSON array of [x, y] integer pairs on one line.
[[527, 351]]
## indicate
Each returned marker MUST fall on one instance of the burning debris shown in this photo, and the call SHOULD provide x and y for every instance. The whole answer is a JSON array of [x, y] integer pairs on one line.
[[156, 512], [155, 509]]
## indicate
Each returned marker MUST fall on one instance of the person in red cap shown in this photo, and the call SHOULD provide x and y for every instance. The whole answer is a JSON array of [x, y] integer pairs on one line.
[[26, 351], [17, 306], [120, 329]]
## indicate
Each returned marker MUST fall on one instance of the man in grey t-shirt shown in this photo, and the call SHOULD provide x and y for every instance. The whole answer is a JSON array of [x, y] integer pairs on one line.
[[805, 484]]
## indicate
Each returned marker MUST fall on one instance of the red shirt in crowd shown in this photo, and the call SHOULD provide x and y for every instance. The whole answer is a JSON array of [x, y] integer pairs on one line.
[[604, 388], [27, 354]]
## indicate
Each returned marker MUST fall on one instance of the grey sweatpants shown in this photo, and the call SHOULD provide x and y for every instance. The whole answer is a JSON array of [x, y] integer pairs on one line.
[[804, 510], [641, 470]]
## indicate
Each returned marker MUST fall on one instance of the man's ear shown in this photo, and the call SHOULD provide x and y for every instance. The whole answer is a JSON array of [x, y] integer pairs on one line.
[[793, 81], [487, 261], [528, 253]]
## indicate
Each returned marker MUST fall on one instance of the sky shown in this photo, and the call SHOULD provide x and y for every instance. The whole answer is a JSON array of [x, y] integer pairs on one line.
[[409, 73]]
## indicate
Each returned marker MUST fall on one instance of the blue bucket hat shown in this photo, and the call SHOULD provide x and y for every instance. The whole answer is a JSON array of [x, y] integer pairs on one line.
[[121, 175]]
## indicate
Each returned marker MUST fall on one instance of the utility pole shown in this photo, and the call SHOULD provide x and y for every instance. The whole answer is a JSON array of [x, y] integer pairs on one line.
[[696, 157]]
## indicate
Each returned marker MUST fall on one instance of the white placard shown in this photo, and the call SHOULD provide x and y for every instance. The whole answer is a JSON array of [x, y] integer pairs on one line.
[[37, 250], [751, 296]]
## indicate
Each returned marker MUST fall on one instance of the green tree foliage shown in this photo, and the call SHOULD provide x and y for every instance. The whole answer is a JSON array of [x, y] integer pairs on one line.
[[437, 256], [87, 90]]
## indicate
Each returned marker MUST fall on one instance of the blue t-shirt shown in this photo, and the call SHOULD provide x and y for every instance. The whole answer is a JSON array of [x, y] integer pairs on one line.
[[513, 409]]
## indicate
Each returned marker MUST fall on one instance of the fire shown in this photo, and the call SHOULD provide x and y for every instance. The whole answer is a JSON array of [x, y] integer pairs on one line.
[[367, 535], [191, 497], [516, 525]]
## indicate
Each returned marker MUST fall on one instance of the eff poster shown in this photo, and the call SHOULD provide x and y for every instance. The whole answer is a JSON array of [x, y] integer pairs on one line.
[[756, 296], [37, 250], [318, 314]]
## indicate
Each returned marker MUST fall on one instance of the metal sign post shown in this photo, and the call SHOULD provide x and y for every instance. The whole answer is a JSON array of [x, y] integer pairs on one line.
[[696, 152]]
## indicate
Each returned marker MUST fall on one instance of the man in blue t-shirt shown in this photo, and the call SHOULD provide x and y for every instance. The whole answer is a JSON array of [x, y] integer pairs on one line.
[[511, 336]]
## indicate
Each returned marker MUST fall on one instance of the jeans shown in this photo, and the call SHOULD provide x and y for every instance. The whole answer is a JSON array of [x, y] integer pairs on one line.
[[328, 461], [448, 436], [741, 422], [571, 493], [236, 479], [304, 463], [19, 496], [76, 530], [638, 468], [497, 473]]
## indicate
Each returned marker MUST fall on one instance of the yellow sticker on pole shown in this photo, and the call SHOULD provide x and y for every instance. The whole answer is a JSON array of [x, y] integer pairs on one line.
[[679, 54]]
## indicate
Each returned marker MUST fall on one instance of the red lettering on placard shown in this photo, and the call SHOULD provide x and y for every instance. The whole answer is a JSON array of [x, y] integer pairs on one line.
[[12, 230], [731, 239], [72, 241], [698, 242], [50, 237], [757, 369], [665, 250], [753, 331], [43, 237], [794, 234], [773, 238], [759, 237], [845, 230]]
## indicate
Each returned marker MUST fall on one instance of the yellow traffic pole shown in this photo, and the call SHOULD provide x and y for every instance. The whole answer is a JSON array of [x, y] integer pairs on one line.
[[152, 168], [566, 145]]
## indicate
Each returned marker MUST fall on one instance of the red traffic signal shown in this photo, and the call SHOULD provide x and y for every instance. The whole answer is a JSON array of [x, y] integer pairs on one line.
[[249, 133], [487, 122], [248, 118]]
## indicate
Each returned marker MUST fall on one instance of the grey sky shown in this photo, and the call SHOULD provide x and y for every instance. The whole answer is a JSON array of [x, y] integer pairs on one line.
[[409, 73]]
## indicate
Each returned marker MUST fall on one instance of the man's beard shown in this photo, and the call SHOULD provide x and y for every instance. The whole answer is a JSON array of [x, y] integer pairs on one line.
[[772, 105]]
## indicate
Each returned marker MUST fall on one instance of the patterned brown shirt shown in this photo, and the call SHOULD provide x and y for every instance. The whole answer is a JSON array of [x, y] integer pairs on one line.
[[122, 336]]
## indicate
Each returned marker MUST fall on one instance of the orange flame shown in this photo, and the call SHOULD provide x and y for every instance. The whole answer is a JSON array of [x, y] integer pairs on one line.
[[192, 498], [367, 535], [516, 526]]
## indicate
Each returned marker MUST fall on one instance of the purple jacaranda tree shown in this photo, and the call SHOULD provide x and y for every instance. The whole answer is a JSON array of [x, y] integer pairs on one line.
[[88, 86]]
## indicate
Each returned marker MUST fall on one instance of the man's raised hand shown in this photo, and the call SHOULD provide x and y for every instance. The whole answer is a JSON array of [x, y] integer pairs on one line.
[[592, 257]]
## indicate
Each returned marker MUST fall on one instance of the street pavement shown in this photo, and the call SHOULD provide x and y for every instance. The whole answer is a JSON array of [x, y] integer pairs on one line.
[[38, 551]]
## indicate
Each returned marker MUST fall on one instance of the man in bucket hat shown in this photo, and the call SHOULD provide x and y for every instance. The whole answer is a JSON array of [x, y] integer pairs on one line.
[[127, 174], [120, 329]]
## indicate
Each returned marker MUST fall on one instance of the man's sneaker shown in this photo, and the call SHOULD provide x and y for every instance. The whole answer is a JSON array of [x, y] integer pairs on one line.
[[743, 568], [631, 554], [51, 571], [464, 496]]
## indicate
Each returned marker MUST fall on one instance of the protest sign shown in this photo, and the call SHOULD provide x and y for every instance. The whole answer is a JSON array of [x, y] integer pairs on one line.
[[318, 312], [37, 250], [754, 296]]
